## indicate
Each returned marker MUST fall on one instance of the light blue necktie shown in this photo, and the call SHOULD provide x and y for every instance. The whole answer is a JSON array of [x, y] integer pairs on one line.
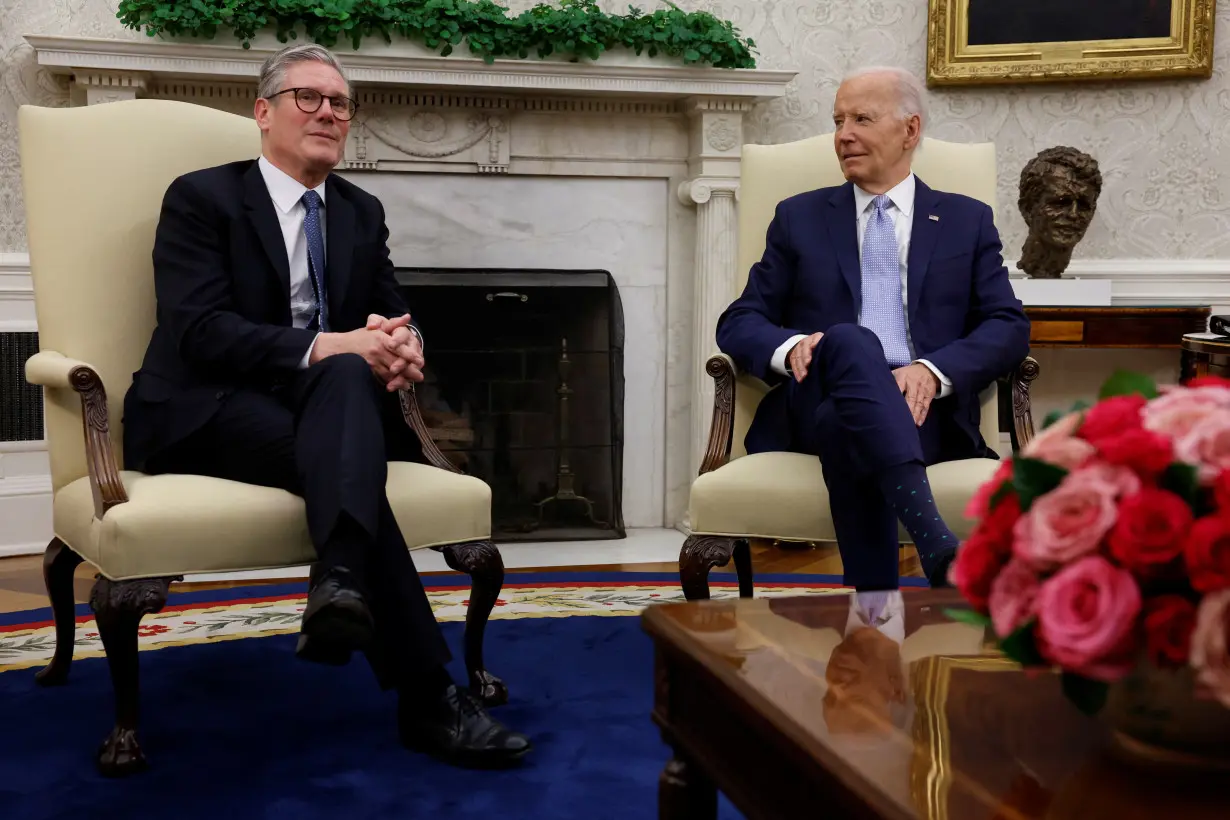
[[316, 260], [883, 310]]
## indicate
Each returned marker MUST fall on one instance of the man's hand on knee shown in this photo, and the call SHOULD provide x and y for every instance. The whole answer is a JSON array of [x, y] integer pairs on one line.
[[919, 386], [800, 355], [408, 369], [382, 351]]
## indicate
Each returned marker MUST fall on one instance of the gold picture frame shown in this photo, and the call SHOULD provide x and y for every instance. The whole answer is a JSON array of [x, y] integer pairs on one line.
[[1186, 50]]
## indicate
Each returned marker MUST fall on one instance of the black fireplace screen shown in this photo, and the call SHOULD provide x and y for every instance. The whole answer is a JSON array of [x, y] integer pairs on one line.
[[524, 388]]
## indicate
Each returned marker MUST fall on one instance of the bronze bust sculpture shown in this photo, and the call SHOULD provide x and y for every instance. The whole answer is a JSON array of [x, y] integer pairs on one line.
[[1058, 196]]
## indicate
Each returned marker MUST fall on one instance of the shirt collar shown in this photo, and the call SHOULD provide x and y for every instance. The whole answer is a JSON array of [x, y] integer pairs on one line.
[[285, 190], [902, 195]]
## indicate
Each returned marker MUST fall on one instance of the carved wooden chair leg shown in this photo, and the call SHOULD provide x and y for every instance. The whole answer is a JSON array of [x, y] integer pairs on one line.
[[482, 562], [699, 555], [743, 567], [118, 608], [59, 563]]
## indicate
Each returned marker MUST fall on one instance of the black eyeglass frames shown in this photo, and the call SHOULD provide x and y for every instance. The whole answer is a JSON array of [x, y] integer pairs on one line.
[[309, 101]]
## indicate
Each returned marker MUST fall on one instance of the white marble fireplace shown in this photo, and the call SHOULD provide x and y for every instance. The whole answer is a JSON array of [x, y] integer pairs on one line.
[[629, 165]]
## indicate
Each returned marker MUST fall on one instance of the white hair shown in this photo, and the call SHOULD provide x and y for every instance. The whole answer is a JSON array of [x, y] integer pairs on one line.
[[911, 95], [273, 72]]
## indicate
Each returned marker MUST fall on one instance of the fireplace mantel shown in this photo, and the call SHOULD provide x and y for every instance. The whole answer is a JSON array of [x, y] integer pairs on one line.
[[622, 118], [408, 65]]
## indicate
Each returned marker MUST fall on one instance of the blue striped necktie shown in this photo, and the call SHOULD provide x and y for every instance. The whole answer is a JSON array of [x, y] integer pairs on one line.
[[316, 260], [883, 310]]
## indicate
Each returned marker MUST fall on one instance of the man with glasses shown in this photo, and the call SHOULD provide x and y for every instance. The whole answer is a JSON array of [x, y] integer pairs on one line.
[[281, 344]]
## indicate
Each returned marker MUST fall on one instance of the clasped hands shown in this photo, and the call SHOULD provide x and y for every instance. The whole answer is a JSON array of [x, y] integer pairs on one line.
[[389, 346], [916, 382]]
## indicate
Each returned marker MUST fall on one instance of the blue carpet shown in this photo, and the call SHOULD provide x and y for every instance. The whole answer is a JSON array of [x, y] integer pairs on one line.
[[241, 729]]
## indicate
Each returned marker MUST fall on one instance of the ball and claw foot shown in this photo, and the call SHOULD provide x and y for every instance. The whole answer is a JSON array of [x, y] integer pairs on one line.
[[489, 689], [120, 754]]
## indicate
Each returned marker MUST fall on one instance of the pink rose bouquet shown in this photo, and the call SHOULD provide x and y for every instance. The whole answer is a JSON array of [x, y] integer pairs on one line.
[[1105, 542]]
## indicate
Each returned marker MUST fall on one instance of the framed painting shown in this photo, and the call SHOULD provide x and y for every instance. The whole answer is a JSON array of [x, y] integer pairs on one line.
[[971, 42]]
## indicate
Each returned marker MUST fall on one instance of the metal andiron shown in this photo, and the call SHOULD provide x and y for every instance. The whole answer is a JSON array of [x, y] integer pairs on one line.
[[565, 480]]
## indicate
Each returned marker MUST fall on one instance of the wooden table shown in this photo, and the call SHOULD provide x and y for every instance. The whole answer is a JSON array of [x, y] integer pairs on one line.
[[1115, 327], [794, 708]]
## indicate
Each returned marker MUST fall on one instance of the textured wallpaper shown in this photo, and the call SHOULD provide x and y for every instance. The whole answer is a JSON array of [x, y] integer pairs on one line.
[[1166, 182]]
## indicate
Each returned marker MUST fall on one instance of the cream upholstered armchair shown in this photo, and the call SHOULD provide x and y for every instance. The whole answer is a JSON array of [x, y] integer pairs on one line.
[[94, 178], [782, 496]]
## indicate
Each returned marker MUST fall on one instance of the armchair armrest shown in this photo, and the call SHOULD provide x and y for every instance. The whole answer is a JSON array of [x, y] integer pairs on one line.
[[413, 415], [58, 372], [723, 370], [1022, 414]]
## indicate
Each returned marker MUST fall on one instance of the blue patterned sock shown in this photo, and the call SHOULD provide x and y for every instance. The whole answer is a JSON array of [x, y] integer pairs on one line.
[[906, 488]]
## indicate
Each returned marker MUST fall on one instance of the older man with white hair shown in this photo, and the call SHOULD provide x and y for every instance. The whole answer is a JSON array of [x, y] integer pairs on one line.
[[880, 310]]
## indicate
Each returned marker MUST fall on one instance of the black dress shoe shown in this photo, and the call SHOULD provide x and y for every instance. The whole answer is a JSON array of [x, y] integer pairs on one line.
[[456, 728], [336, 621]]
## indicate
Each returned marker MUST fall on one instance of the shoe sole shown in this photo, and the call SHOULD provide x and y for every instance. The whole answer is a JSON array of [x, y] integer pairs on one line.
[[334, 635], [471, 759]]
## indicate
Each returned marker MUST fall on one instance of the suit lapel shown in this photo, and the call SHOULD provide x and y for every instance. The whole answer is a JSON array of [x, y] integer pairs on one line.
[[339, 250], [259, 206], [843, 233], [923, 236]]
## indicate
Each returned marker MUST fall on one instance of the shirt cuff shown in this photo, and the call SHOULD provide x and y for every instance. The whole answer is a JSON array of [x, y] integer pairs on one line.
[[778, 362], [307, 357], [945, 382]]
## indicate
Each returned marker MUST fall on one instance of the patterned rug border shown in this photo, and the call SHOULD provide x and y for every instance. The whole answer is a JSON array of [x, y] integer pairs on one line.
[[258, 590]]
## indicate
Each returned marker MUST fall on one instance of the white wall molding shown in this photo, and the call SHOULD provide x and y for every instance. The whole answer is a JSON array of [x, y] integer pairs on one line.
[[1155, 281]]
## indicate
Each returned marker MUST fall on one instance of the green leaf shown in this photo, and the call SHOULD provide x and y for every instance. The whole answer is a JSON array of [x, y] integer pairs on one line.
[[1183, 480], [1125, 383], [1032, 478], [1052, 417], [1088, 695], [968, 616], [1021, 646], [1003, 492]]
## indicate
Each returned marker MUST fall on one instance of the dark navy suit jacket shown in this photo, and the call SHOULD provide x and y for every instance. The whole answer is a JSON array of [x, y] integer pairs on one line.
[[963, 315]]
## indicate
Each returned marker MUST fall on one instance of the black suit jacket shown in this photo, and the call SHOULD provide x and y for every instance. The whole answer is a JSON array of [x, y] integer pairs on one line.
[[222, 281]]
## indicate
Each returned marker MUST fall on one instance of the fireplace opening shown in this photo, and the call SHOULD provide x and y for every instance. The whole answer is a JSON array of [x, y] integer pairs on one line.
[[524, 388]]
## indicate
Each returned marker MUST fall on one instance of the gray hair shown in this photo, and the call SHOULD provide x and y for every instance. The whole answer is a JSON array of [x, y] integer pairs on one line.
[[273, 72], [911, 94]]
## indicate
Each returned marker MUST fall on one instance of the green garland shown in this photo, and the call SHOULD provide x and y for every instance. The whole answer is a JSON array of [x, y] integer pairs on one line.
[[575, 28]]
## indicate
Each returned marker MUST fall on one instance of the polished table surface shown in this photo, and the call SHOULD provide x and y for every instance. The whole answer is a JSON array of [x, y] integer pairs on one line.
[[880, 705]]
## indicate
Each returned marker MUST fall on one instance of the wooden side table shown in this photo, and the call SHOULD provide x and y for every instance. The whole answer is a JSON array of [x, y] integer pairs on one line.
[[1144, 327]]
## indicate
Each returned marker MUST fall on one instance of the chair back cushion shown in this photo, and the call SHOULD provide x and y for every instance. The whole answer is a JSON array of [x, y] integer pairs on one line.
[[771, 173], [94, 178]]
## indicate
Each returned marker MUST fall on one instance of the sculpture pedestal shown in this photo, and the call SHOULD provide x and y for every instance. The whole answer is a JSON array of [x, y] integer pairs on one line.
[[1063, 292]]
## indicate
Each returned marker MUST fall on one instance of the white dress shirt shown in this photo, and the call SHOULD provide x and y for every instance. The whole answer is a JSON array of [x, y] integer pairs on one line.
[[901, 212], [287, 195]]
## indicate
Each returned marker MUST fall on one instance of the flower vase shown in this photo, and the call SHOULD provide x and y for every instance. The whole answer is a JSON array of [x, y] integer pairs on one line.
[[1157, 719]]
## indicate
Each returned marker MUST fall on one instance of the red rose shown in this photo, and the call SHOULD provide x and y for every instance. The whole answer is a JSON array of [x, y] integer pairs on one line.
[[980, 504], [1112, 417], [978, 562], [997, 527], [1169, 621], [1207, 381], [1151, 531], [1208, 554], [1144, 451], [1221, 491]]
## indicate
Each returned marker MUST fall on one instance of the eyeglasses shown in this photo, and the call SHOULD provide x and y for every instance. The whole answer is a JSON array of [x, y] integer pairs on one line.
[[309, 100]]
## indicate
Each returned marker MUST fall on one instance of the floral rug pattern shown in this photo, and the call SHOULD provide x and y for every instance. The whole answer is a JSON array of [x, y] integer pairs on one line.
[[32, 644]]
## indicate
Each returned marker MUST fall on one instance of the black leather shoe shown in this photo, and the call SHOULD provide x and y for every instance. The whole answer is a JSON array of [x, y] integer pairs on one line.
[[336, 621], [456, 728]]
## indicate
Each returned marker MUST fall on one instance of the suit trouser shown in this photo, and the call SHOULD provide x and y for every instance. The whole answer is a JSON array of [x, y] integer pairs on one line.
[[327, 436], [849, 411]]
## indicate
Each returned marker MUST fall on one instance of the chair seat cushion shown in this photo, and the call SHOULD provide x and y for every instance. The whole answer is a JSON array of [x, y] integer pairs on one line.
[[783, 496], [178, 524]]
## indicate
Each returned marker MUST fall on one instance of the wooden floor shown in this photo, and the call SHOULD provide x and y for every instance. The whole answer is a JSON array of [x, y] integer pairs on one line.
[[21, 579]]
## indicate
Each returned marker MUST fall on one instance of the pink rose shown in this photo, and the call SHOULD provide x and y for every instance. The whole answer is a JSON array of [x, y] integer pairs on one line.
[[1070, 520], [1087, 619], [1210, 652], [1059, 445], [1177, 411], [1012, 597], [1207, 444], [1124, 480]]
